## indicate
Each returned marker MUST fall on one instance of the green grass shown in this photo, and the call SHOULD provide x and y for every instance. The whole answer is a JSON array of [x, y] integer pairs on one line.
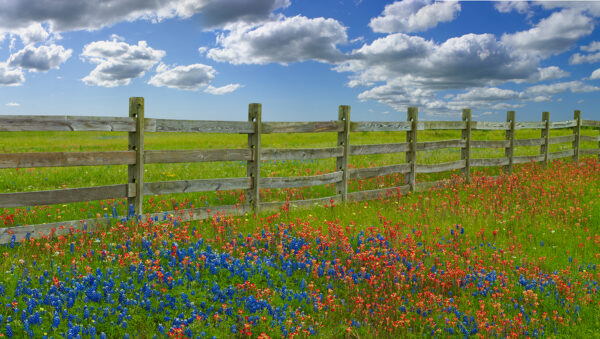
[[533, 223], [35, 179]]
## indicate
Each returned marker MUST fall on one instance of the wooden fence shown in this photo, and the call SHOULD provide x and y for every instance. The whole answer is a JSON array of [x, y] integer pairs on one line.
[[136, 157]]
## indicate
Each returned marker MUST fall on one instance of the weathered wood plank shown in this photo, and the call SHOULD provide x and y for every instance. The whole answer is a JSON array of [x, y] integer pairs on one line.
[[39, 123], [201, 213], [529, 142], [203, 126], [490, 143], [465, 152], [254, 162], [178, 156], [131, 190], [576, 135], [558, 155], [370, 172], [63, 196], [433, 145], [424, 186], [303, 127], [199, 185], [589, 138], [380, 126], [545, 134], [510, 136], [64, 159], [301, 153], [485, 162], [441, 125], [489, 125], [378, 193], [563, 124], [276, 205], [561, 140], [135, 171], [530, 125], [341, 162], [379, 148], [590, 123], [150, 125], [313, 180], [524, 159], [588, 151], [443, 167], [412, 116], [38, 230]]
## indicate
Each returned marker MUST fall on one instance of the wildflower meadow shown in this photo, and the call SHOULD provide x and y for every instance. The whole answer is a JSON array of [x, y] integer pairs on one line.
[[504, 256]]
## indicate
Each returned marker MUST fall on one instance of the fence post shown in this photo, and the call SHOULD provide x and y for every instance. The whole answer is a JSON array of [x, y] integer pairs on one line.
[[545, 147], [253, 166], [344, 141], [411, 155], [135, 172], [465, 152], [576, 135], [510, 137]]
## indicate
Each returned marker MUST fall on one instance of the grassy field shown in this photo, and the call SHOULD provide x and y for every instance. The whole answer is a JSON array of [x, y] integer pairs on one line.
[[29, 179], [511, 257]]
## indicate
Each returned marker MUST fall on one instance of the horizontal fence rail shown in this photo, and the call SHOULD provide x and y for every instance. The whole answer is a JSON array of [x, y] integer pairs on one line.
[[179, 156], [65, 159], [200, 185], [301, 153], [197, 126], [65, 195], [44, 123], [313, 180], [136, 157]]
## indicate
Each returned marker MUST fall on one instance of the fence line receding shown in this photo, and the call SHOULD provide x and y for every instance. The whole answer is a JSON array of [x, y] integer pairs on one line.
[[136, 157]]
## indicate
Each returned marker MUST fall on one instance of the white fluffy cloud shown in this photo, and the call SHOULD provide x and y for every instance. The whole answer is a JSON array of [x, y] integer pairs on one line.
[[521, 7], [577, 58], [189, 78], [67, 15], [486, 98], [414, 16], [40, 59], [592, 47], [561, 87], [222, 90], [118, 62], [548, 73], [33, 33], [281, 41], [399, 96], [13, 104], [591, 57], [10, 76], [589, 7], [219, 13], [502, 99], [552, 35], [466, 61], [488, 94], [403, 70]]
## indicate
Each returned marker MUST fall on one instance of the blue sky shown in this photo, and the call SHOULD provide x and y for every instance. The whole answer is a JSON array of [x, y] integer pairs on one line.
[[207, 59]]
